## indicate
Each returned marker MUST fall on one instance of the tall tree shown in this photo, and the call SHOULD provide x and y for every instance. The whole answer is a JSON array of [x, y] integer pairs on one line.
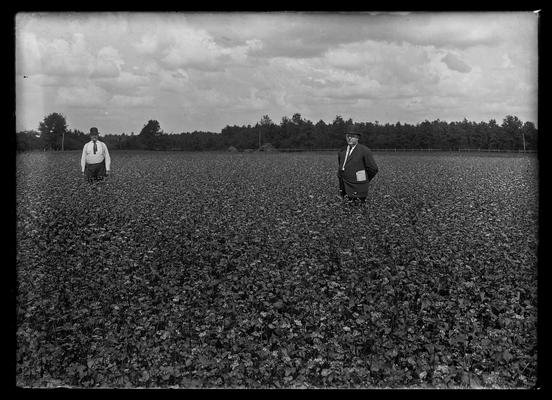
[[286, 132], [152, 128], [512, 129], [266, 121], [28, 140], [150, 133], [425, 134], [321, 135], [52, 131], [302, 132], [493, 135], [265, 129], [336, 131]]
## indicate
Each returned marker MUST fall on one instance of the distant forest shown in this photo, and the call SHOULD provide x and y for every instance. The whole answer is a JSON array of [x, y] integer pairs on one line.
[[296, 133]]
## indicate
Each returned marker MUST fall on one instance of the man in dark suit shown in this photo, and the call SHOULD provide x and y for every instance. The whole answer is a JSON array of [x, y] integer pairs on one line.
[[357, 168]]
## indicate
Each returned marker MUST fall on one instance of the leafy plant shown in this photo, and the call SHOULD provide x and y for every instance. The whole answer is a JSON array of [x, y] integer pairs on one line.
[[245, 270]]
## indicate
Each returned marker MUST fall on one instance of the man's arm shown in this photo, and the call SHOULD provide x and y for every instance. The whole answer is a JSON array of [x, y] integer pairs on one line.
[[370, 165], [83, 158], [107, 158]]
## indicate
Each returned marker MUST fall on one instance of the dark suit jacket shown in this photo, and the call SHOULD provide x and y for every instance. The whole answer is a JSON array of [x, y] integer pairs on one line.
[[351, 178]]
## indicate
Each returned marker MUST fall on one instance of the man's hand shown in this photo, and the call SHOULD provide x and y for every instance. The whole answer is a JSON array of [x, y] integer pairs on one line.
[[107, 173]]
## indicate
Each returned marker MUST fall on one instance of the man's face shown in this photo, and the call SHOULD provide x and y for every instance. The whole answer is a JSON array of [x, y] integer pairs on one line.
[[352, 140], [94, 137]]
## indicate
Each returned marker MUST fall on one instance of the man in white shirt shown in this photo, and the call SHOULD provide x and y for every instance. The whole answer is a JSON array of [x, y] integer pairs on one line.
[[95, 160]]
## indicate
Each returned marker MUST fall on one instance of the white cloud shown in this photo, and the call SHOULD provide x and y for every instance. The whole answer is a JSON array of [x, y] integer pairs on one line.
[[131, 101], [84, 96], [105, 69], [109, 53], [238, 65], [108, 63], [450, 30], [191, 48], [256, 101], [67, 58], [125, 83], [174, 81], [147, 45], [186, 47], [28, 50], [387, 63]]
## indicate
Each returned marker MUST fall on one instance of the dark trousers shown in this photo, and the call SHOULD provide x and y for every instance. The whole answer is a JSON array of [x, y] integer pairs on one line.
[[94, 172], [344, 196]]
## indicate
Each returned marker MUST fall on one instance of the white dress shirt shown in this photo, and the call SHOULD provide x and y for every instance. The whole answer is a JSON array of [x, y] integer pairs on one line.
[[88, 156], [347, 154]]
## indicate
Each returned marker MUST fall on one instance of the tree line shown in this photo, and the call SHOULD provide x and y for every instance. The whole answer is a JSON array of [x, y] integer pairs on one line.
[[296, 133]]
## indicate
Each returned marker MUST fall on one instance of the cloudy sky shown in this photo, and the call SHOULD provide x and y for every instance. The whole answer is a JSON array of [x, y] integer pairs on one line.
[[203, 71]]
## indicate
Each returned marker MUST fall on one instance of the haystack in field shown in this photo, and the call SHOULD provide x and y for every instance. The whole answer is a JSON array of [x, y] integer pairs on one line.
[[268, 147]]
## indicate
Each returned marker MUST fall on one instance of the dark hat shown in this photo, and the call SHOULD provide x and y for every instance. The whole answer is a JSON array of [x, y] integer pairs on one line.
[[352, 130], [94, 131]]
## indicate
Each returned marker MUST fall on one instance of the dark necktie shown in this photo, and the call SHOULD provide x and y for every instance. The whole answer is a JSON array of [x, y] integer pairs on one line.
[[95, 148]]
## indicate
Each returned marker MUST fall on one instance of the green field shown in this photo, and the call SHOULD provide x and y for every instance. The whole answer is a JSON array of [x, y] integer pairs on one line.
[[246, 270]]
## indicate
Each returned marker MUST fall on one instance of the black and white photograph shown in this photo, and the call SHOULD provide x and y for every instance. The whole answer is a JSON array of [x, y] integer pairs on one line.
[[277, 199]]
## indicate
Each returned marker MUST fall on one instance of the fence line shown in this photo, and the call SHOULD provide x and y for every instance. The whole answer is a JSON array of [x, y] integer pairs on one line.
[[298, 150], [407, 150], [499, 150], [461, 150]]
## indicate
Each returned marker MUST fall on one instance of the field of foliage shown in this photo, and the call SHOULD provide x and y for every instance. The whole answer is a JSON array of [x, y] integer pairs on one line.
[[225, 270]]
